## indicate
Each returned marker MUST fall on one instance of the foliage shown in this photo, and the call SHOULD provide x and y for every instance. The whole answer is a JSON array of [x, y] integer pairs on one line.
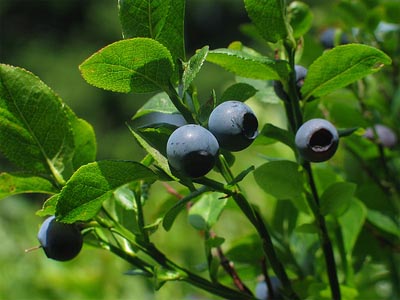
[[335, 227]]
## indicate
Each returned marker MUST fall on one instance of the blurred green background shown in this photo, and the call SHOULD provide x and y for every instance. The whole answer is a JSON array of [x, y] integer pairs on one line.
[[51, 38]]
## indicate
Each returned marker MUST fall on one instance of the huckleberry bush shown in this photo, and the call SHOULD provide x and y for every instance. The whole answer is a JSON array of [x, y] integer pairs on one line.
[[321, 216]]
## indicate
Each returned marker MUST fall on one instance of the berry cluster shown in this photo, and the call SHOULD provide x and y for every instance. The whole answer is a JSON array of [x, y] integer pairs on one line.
[[193, 149]]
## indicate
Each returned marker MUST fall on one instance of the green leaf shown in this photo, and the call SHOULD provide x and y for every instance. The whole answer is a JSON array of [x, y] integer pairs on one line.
[[161, 20], [138, 65], [206, 211], [34, 130], [269, 18], [158, 157], [340, 66], [49, 207], [84, 193], [351, 223], [174, 211], [21, 183], [193, 66], [85, 143], [247, 65], [282, 179], [300, 18], [337, 198], [275, 133], [383, 222], [238, 92], [162, 275]]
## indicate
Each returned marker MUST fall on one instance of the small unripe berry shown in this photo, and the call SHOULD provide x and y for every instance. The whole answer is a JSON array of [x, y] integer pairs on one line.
[[317, 140]]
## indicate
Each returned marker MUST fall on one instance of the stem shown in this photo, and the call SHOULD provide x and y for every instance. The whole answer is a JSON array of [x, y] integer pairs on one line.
[[256, 220], [327, 247], [173, 95]]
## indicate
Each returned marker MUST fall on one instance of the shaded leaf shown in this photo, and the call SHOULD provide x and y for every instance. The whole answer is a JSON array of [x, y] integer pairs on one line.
[[383, 222], [21, 183], [282, 179], [34, 130], [84, 193], [340, 66], [300, 18], [137, 65], [337, 198], [275, 133], [351, 223], [206, 211], [238, 92]]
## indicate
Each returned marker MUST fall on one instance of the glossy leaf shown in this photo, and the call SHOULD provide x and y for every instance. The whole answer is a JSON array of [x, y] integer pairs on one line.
[[193, 66], [247, 65], [34, 130], [137, 65], [206, 211], [337, 198], [282, 179], [269, 18], [340, 66], [84, 193], [161, 20], [21, 183]]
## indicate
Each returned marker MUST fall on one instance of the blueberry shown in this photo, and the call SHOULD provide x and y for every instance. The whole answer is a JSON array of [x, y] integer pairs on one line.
[[60, 241], [384, 135], [192, 150], [234, 125], [327, 38], [317, 140], [301, 74], [262, 291]]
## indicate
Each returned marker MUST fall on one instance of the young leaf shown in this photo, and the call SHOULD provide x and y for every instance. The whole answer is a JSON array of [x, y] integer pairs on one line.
[[340, 66], [238, 92], [161, 20], [137, 65], [193, 66], [351, 223], [49, 207], [206, 211], [269, 18], [247, 65], [20, 183], [35, 132], [84, 193], [282, 179], [337, 198]]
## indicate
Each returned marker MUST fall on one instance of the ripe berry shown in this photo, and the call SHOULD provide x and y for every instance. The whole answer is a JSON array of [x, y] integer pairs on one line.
[[192, 149], [317, 140], [263, 293], [327, 38], [384, 135], [234, 125], [60, 241], [301, 74]]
